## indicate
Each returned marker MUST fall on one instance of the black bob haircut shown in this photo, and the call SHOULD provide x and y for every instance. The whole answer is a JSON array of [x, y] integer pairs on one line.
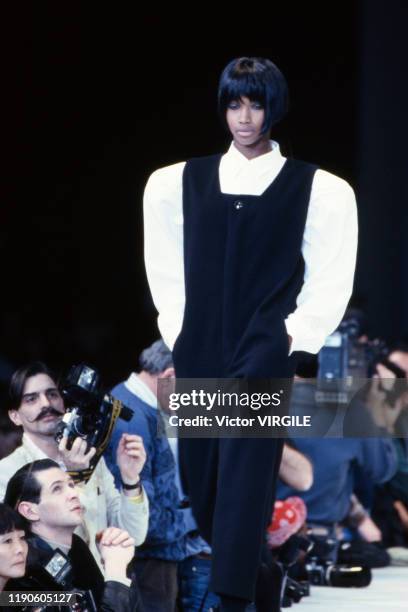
[[10, 520], [19, 379], [24, 486], [258, 79]]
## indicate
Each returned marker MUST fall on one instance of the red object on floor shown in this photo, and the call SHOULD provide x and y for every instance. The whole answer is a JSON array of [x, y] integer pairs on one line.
[[288, 517]]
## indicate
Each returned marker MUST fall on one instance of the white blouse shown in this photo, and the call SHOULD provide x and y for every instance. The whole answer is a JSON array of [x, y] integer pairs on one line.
[[329, 244]]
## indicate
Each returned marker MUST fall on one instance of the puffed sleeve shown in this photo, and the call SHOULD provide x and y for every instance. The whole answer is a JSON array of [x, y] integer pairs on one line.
[[163, 247]]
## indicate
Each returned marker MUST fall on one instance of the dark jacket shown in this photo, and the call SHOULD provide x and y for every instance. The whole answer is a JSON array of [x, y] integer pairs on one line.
[[85, 575]]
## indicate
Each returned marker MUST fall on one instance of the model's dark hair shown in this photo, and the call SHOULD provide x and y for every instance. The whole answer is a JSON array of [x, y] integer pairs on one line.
[[259, 80], [156, 358], [24, 486], [10, 520], [19, 379]]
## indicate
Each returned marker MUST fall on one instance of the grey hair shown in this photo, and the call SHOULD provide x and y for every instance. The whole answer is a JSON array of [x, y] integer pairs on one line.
[[156, 358]]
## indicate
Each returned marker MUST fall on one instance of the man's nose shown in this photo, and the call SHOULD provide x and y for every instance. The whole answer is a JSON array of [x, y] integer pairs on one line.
[[73, 493], [44, 400]]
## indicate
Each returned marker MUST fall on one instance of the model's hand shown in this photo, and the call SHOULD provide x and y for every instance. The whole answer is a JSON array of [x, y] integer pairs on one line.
[[130, 457], [76, 458], [117, 549]]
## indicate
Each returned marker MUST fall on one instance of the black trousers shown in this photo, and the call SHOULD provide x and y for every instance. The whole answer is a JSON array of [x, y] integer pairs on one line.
[[231, 484], [157, 580]]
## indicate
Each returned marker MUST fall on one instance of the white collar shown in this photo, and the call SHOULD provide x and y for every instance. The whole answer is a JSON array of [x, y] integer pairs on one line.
[[36, 453], [33, 449], [136, 386], [274, 156]]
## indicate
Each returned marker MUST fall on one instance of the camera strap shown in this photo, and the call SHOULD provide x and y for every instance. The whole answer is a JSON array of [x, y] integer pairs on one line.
[[84, 475]]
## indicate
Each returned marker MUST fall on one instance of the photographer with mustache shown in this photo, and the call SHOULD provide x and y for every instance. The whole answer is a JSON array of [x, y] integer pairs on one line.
[[37, 406]]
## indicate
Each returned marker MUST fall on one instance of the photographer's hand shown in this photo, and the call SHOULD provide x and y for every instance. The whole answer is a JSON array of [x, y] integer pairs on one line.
[[76, 458], [383, 414], [130, 457], [117, 549]]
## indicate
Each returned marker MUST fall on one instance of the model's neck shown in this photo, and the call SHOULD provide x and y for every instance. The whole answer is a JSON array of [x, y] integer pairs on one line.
[[46, 444], [57, 535], [255, 150], [2, 583]]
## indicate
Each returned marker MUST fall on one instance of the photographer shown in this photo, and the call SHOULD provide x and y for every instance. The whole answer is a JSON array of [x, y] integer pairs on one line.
[[37, 406], [47, 498]]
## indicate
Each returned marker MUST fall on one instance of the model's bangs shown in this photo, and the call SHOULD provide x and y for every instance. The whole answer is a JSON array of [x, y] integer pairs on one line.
[[245, 85]]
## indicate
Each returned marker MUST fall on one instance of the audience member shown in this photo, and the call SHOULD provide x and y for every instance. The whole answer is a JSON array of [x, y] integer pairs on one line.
[[47, 498], [13, 545], [334, 460], [37, 406]]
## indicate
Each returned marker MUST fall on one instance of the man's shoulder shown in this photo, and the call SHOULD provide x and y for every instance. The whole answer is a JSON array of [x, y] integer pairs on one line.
[[79, 547], [132, 400], [10, 464]]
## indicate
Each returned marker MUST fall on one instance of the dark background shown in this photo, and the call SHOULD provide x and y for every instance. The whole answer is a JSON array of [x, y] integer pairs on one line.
[[95, 101]]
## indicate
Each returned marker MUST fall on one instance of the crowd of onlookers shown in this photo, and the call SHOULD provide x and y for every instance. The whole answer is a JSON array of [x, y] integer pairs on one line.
[[64, 525]]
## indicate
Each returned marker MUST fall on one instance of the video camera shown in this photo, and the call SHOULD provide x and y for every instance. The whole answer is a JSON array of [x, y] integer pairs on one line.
[[90, 412], [345, 361]]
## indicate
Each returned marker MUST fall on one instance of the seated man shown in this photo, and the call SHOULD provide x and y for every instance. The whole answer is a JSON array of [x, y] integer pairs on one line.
[[36, 405], [47, 498], [334, 461]]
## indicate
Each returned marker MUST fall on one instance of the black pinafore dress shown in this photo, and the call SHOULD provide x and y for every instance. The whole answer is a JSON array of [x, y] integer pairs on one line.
[[243, 271]]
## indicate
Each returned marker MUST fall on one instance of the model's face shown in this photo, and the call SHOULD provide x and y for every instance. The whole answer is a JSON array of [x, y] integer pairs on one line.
[[59, 504], [41, 408], [13, 554], [245, 119]]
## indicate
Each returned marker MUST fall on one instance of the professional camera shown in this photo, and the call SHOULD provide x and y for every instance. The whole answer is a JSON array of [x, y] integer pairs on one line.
[[322, 567], [56, 576], [345, 362], [90, 412]]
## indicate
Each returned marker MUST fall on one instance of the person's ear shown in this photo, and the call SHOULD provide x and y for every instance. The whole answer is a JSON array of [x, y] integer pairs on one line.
[[29, 510], [168, 373], [15, 417]]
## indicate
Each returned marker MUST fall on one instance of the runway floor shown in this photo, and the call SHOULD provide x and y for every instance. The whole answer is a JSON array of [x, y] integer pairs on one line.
[[388, 592]]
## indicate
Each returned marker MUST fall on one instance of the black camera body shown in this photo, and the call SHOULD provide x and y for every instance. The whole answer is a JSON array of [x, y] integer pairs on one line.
[[90, 412], [322, 568], [56, 576], [335, 575]]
